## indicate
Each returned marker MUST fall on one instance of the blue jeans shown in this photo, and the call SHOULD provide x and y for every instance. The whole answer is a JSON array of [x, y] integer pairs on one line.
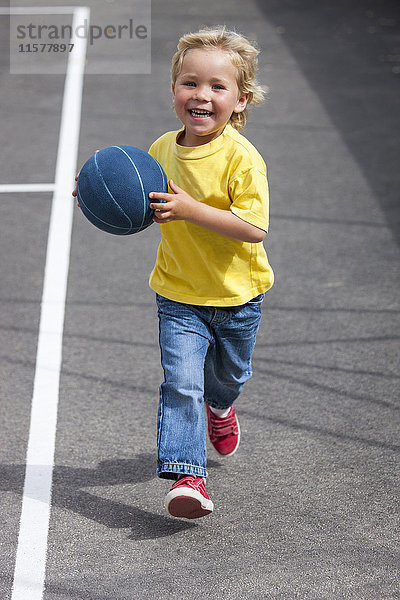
[[206, 357]]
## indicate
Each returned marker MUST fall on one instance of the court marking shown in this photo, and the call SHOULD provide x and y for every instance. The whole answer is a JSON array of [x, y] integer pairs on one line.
[[26, 187], [30, 563]]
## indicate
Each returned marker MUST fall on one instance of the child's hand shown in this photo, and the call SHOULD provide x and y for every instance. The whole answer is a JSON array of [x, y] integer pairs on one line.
[[180, 205], [76, 179], [74, 190], [177, 206]]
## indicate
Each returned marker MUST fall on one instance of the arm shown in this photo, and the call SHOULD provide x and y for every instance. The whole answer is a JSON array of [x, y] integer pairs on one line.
[[181, 206]]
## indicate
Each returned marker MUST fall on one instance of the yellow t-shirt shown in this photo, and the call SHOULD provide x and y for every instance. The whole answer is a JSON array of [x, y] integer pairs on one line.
[[195, 265]]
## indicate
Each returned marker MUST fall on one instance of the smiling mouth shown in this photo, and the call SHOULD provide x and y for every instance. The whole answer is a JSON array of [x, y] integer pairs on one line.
[[200, 113]]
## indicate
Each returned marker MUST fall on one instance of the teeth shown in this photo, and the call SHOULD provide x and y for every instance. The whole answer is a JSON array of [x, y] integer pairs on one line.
[[199, 113]]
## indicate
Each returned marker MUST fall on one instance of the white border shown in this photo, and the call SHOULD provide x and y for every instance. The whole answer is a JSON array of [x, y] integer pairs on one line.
[[39, 10]]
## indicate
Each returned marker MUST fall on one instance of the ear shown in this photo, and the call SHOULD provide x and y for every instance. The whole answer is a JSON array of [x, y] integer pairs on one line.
[[173, 90], [241, 103]]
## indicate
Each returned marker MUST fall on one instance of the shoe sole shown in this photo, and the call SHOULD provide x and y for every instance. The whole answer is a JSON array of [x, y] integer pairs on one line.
[[187, 504], [236, 447]]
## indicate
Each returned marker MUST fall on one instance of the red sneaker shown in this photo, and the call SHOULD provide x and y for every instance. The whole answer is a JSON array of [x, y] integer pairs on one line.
[[224, 432], [188, 498]]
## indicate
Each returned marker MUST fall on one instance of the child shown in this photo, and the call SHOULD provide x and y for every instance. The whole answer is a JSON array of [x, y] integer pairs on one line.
[[211, 270]]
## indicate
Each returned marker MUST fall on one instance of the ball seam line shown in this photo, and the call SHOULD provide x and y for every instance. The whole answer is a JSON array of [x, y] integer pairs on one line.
[[141, 184], [112, 197]]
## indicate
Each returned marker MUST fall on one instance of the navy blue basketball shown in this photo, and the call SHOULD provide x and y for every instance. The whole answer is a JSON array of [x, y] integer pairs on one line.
[[113, 189]]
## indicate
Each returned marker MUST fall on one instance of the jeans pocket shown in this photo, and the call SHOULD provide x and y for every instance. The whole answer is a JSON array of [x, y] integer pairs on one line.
[[161, 302]]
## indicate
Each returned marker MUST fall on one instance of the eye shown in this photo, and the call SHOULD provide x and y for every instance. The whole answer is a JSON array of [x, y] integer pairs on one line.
[[218, 86], [190, 83]]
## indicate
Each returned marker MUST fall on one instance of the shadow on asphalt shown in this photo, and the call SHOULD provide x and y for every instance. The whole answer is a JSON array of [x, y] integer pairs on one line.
[[69, 494], [357, 80]]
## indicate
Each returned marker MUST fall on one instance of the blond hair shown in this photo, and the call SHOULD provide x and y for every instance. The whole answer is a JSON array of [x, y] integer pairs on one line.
[[242, 53]]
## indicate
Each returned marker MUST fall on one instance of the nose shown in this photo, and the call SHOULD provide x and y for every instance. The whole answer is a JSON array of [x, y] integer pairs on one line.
[[202, 92]]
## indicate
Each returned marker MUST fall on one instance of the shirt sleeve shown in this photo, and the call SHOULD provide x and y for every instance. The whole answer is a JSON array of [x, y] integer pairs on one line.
[[250, 197], [151, 150]]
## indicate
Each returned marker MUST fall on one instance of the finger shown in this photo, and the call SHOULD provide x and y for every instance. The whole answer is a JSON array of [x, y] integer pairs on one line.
[[158, 206], [161, 211], [161, 220], [175, 188], [161, 196]]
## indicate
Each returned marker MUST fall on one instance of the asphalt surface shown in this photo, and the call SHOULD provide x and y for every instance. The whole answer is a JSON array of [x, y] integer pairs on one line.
[[308, 507]]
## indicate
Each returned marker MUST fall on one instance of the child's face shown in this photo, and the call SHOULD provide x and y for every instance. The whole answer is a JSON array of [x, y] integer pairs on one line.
[[206, 94]]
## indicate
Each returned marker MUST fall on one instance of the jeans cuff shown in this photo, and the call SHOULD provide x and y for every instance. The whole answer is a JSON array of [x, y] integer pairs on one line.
[[218, 406], [168, 470]]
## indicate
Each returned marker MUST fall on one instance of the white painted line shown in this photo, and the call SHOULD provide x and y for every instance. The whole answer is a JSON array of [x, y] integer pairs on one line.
[[26, 187], [29, 574]]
